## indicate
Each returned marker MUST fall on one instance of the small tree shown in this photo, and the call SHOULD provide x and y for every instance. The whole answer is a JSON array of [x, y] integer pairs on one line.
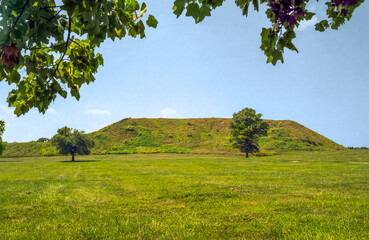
[[246, 128], [43, 140], [2, 129], [68, 140]]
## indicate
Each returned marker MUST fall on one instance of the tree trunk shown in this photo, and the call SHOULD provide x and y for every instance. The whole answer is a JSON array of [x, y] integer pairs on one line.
[[72, 156], [247, 154]]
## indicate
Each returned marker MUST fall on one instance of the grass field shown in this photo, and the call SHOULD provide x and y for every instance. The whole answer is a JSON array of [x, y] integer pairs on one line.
[[304, 195]]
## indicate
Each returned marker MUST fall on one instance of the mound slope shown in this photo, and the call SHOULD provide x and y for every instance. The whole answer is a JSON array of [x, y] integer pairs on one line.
[[200, 135]]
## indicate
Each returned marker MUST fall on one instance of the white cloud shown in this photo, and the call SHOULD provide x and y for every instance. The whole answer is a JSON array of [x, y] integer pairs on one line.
[[51, 111], [170, 113], [306, 24], [6, 110], [98, 112]]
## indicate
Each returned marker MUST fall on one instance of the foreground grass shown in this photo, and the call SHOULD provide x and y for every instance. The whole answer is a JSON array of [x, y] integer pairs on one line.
[[306, 195]]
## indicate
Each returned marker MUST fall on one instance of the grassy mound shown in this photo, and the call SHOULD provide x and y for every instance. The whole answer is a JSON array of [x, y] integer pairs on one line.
[[29, 149], [200, 135]]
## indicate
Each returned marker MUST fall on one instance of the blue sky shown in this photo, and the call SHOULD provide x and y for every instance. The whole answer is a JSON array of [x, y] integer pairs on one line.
[[216, 68]]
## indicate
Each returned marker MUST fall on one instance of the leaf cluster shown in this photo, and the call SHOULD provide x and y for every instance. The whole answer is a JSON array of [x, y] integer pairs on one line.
[[68, 140], [48, 47], [335, 15], [57, 44], [278, 37]]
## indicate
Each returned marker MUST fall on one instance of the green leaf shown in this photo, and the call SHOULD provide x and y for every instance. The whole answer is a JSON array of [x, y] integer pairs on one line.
[[256, 5], [12, 97], [322, 26], [5, 39], [17, 34], [143, 6], [63, 94], [192, 10], [204, 11], [319, 27], [151, 21], [14, 77], [179, 6]]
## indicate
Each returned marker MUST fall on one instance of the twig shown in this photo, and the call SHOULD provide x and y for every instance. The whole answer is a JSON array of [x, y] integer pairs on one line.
[[66, 49], [77, 44], [16, 20], [19, 16], [54, 16]]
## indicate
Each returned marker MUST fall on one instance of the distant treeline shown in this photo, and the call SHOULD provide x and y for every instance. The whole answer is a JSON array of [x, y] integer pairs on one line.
[[358, 148]]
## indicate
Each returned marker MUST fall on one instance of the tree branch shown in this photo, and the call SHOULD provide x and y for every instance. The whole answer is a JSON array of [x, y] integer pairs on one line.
[[66, 49], [77, 44], [19, 16], [54, 16], [16, 20]]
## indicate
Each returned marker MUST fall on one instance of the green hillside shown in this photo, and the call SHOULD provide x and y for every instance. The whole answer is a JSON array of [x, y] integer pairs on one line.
[[29, 149], [200, 135]]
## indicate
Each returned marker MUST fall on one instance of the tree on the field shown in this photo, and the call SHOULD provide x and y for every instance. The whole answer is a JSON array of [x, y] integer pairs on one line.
[[52, 43], [246, 128], [2, 129], [71, 141]]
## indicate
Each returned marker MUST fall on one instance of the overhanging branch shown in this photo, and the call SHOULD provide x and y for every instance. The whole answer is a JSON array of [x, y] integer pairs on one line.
[[66, 49]]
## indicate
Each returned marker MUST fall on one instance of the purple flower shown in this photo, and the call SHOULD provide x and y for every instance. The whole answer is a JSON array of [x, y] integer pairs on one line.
[[344, 11]]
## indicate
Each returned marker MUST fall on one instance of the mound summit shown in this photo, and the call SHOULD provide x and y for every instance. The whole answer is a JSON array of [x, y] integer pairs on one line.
[[196, 135], [200, 135]]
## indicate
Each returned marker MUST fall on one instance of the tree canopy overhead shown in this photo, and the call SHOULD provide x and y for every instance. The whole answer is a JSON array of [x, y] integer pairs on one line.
[[55, 45], [48, 47]]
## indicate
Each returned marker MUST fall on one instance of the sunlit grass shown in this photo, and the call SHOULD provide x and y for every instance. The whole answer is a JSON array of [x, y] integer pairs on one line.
[[305, 195]]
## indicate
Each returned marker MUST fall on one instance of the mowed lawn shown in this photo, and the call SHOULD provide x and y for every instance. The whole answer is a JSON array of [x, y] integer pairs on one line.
[[304, 195]]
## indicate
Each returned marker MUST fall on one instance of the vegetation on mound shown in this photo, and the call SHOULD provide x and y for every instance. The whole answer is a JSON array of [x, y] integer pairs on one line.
[[286, 135], [164, 135], [202, 135], [29, 149]]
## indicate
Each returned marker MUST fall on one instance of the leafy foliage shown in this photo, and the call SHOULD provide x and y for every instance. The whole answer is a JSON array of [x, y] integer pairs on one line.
[[55, 45], [2, 129], [48, 49], [284, 16], [72, 141], [246, 128]]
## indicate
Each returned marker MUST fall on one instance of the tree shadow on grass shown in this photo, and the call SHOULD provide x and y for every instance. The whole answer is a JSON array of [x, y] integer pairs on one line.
[[80, 161]]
